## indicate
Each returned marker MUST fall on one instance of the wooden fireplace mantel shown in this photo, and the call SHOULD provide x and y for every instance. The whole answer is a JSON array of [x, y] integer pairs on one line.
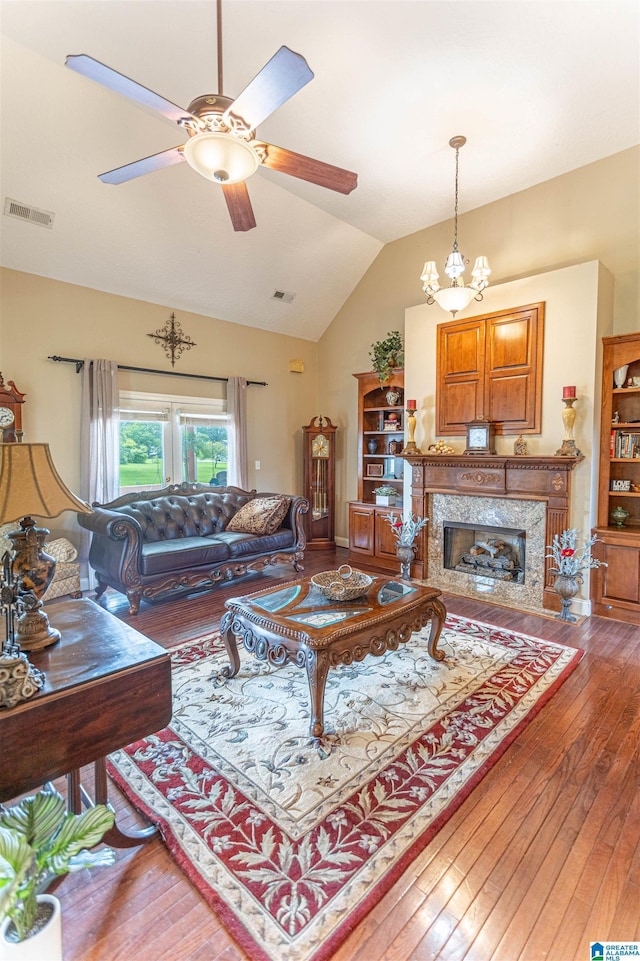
[[540, 478]]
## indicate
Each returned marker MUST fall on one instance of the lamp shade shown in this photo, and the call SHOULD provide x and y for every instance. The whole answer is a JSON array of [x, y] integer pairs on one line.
[[221, 157], [30, 484]]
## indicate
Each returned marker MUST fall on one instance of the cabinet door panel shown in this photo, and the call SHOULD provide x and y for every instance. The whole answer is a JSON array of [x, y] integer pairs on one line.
[[509, 343], [461, 401], [461, 364], [514, 369], [509, 400], [361, 530], [462, 349], [621, 578], [491, 366], [384, 537]]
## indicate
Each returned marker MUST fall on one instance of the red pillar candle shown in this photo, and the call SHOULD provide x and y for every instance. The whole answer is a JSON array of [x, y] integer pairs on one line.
[[568, 392], [411, 405]]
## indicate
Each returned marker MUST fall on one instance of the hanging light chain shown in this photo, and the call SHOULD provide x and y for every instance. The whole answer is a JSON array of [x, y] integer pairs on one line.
[[455, 209]]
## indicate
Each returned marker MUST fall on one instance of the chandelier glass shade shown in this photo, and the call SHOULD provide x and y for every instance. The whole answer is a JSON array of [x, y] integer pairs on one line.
[[458, 295], [221, 157]]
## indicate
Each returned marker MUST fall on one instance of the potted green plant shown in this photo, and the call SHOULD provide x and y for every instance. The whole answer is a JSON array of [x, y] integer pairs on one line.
[[386, 495], [40, 840], [387, 354]]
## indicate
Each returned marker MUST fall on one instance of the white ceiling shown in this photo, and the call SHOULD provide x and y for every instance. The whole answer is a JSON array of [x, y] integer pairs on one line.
[[537, 87]]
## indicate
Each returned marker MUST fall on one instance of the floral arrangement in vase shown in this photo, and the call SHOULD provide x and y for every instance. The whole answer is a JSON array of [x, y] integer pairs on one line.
[[405, 529], [569, 561]]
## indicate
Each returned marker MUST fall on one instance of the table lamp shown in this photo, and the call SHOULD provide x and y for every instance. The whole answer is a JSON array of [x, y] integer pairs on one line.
[[30, 484]]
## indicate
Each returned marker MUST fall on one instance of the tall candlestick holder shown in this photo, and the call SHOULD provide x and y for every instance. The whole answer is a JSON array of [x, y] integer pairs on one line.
[[411, 447], [568, 448]]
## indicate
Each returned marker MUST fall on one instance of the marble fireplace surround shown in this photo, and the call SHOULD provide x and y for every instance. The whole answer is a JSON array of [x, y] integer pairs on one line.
[[533, 493], [528, 515]]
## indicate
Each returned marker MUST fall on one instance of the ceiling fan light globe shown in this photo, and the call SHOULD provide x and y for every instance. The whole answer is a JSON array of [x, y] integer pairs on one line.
[[221, 157]]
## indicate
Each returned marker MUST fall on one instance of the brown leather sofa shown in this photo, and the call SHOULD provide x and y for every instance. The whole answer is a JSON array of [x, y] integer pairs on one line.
[[183, 538]]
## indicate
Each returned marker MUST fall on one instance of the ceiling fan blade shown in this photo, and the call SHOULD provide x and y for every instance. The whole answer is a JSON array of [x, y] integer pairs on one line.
[[306, 168], [166, 158], [99, 72], [285, 74], [239, 205]]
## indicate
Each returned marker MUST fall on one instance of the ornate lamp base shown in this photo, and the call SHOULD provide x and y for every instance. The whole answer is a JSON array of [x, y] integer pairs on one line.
[[34, 569], [33, 631]]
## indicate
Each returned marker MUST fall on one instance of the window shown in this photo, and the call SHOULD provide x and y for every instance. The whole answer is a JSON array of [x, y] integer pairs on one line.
[[167, 440]]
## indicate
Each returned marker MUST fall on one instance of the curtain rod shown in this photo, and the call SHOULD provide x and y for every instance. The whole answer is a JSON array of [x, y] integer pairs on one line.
[[147, 370]]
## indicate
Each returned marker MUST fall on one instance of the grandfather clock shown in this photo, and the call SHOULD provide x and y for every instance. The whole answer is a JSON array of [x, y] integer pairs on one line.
[[319, 482], [11, 401]]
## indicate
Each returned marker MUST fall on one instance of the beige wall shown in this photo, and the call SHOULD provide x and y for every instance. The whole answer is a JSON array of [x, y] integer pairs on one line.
[[590, 214], [42, 317]]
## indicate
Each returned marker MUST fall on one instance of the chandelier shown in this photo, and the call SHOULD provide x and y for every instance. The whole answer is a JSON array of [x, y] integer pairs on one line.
[[458, 295]]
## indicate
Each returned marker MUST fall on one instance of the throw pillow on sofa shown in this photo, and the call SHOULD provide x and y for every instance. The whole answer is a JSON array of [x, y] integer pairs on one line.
[[262, 515]]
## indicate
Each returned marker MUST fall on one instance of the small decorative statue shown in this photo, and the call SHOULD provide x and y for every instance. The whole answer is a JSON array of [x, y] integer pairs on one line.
[[520, 448]]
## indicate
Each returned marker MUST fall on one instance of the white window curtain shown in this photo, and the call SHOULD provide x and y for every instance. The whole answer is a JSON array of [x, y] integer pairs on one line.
[[237, 430], [99, 441]]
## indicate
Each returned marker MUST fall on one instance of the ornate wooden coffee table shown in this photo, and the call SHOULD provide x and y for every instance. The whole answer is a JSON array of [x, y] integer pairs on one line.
[[295, 622]]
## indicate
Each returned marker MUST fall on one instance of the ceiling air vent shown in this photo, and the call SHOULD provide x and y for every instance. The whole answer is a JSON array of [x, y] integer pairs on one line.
[[43, 218], [283, 295]]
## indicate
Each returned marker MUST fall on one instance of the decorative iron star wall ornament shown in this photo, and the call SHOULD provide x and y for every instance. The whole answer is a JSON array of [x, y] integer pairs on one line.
[[172, 339]]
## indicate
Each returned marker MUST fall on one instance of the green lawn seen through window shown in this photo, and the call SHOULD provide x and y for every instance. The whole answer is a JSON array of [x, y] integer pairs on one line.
[[150, 473]]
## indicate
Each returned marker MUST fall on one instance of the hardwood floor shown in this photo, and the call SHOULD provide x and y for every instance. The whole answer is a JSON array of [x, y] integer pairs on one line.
[[542, 858]]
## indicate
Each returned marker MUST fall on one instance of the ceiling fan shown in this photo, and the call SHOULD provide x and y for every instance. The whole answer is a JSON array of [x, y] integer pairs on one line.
[[222, 145]]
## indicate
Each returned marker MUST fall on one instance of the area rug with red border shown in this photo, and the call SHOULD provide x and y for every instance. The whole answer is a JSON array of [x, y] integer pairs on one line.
[[293, 841]]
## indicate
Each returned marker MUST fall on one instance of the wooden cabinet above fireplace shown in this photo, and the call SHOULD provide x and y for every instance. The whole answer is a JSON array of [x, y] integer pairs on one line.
[[491, 367]]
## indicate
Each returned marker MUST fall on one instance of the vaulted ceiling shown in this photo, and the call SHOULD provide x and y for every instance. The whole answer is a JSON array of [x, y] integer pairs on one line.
[[537, 87]]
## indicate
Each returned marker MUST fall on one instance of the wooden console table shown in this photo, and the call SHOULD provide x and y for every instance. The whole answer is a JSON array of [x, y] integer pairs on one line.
[[106, 686]]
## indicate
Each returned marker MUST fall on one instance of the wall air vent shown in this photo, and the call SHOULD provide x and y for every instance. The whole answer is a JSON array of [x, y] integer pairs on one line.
[[43, 218], [282, 295]]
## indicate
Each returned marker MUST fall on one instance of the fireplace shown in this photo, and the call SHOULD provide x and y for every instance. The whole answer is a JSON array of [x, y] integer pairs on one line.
[[485, 551], [518, 493], [520, 522]]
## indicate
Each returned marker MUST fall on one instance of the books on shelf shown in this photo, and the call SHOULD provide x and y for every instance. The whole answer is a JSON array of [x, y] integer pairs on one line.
[[625, 444]]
